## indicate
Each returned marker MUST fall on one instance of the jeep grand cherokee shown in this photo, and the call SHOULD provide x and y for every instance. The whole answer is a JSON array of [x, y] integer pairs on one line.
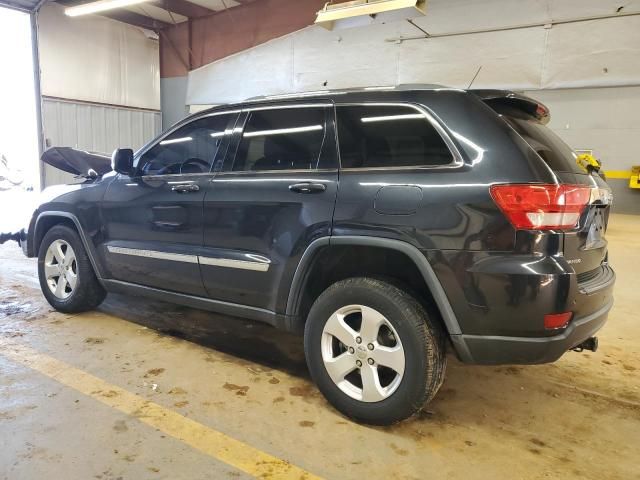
[[386, 225]]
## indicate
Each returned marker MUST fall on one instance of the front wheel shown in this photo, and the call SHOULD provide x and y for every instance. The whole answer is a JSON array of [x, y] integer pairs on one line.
[[373, 351], [67, 279]]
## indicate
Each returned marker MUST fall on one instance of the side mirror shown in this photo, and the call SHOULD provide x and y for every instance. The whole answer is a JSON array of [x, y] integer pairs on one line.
[[122, 161]]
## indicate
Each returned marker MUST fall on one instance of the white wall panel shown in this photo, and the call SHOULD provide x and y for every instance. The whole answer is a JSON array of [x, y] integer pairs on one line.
[[564, 55], [173, 94], [463, 15], [596, 53], [447, 16], [95, 59], [602, 119], [569, 8], [264, 69], [345, 58], [507, 59]]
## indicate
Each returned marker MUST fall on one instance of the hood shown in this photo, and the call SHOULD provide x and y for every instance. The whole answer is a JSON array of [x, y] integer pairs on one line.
[[78, 162]]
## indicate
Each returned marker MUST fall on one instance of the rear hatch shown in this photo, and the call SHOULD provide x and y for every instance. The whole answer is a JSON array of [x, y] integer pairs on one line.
[[585, 247]]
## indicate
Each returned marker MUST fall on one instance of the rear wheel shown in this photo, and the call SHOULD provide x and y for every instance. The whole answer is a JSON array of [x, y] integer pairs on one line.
[[373, 350], [66, 275]]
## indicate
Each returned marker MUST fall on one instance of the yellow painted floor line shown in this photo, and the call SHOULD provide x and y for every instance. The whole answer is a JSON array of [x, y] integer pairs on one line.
[[207, 440]]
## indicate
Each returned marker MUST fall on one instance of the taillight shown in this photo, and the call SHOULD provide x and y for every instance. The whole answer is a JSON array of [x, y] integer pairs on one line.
[[541, 206]]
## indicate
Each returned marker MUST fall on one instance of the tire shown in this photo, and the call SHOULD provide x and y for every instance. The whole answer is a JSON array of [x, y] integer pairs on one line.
[[421, 340], [82, 290]]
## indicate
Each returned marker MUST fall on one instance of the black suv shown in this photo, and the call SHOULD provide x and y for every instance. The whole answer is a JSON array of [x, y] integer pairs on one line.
[[386, 224]]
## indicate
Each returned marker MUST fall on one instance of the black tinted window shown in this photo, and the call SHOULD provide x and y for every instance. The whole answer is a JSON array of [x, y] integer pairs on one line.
[[388, 136], [281, 139], [557, 154], [190, 149]]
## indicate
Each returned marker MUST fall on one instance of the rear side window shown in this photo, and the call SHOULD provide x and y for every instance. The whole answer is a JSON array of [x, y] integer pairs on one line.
[[281, 139], [388, 136], [557, 154]]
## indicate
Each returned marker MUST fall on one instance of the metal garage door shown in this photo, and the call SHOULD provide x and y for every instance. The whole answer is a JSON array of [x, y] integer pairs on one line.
[[93, 127]]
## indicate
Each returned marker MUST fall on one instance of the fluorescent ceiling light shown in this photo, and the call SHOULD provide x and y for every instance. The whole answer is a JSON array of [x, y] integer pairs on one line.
[[358, 13], [281, 131], [99, 6], [176, 140], [388, 118]]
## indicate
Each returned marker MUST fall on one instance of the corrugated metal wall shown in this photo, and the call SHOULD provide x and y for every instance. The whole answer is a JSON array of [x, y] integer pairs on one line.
[[93, 127]]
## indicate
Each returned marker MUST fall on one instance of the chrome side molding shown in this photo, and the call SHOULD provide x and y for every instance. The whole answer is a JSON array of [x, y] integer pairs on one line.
[[259, 266], [176, 257], [229, 263]]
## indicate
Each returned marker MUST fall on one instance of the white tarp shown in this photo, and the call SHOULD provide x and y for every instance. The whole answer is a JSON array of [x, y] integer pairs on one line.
[[95, 59], [603, 52]]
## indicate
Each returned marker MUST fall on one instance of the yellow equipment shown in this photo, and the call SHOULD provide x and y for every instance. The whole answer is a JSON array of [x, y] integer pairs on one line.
[[588, 163], [634, 180]]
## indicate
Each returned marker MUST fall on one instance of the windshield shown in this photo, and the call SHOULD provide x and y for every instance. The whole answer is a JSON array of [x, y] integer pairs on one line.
[[557, 154]]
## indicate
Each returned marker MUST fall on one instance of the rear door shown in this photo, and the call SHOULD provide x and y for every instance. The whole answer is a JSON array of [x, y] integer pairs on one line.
[[274, 197], [153, 220]]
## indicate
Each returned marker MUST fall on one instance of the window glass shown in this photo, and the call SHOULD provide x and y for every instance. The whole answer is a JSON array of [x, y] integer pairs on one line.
[[190, 149], [388, 136], [557, 154], [281, 139]]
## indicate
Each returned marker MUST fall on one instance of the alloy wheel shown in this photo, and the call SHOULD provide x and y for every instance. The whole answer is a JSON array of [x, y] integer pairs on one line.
[[61, 269], [362, 353]]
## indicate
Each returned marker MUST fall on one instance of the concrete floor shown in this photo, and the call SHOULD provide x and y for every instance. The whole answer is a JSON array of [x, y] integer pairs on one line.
[[140, 389]]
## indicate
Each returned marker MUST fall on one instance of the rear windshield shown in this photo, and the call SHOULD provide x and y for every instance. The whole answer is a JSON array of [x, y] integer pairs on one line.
[[557, 154]]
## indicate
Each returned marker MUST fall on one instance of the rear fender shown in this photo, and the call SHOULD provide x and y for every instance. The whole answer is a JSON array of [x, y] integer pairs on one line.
[[430, 278]]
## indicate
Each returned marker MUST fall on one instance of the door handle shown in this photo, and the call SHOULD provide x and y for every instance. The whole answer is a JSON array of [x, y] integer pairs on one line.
[[308, 187], [185, 188]]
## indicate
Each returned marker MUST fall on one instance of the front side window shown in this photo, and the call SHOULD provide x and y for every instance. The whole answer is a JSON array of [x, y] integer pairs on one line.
[[388, 136], [281, 139], [192, 148]]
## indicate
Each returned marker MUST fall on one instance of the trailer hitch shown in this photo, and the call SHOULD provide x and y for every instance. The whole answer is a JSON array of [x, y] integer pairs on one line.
[[589, 344]]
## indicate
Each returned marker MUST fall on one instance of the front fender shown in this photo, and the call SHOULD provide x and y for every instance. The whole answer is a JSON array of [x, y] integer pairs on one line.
[[43, 221]]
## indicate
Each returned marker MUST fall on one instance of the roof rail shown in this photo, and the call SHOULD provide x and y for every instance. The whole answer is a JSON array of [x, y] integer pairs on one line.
[[342, 91]]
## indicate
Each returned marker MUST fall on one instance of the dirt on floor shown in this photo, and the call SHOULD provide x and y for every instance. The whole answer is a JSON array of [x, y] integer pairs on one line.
[[576, 418]]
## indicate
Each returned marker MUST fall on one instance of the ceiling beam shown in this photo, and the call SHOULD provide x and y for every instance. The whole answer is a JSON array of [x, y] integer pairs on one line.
[[134, 19], [184, 8]]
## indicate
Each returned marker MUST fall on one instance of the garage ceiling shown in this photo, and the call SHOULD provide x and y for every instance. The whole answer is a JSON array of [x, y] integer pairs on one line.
[[154, 15], [178, 11], [23, 5]]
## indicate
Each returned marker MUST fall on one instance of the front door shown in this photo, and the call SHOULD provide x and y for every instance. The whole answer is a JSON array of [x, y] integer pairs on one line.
[[153, 220], [272, 199]]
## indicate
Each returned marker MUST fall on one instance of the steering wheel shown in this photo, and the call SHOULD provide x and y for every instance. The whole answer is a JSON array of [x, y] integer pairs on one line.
[[169, 169], [197, 162]]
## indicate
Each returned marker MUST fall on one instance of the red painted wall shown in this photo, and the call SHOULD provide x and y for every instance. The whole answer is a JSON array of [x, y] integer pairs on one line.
[[231, 31]]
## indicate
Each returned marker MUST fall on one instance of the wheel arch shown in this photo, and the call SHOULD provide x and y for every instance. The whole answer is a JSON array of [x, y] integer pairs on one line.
[[308, 263], [47, 220]]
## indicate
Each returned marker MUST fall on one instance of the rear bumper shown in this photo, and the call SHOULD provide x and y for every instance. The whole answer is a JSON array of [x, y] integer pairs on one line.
[[493, 350]]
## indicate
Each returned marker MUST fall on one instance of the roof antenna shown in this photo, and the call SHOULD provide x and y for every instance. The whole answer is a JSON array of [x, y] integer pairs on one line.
[[474, 77]]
